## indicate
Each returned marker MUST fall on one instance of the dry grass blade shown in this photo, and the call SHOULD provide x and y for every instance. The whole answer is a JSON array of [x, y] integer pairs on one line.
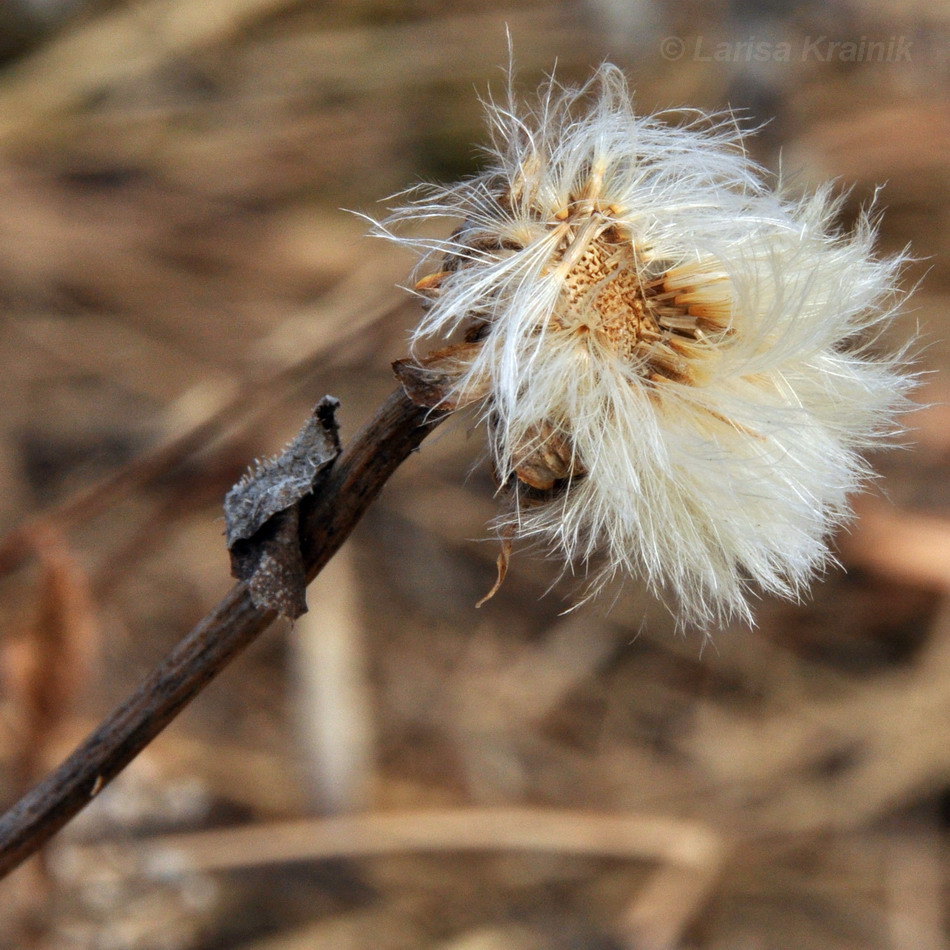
[[911, 548], [48, 666], [660, 914], [334, 707], [916, 881], [633, 836]]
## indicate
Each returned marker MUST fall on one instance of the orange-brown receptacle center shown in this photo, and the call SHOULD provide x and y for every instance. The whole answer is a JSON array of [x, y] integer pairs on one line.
[[647, 311]]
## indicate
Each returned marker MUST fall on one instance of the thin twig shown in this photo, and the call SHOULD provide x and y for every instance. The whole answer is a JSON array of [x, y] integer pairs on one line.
[[355, 480]]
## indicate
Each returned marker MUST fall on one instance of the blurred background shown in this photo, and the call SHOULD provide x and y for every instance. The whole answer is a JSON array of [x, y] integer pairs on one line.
[[179, 285]]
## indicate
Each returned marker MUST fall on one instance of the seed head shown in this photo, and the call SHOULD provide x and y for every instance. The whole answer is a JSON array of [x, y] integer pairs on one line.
[[670, 354]]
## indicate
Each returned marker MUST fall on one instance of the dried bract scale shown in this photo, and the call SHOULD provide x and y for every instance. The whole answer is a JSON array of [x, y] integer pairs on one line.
[[670, 354]]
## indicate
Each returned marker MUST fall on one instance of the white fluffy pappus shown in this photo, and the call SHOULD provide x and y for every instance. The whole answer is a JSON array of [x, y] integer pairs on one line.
[[670, 354]]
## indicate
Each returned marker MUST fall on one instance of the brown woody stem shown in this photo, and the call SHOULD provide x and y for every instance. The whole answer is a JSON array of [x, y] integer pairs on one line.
[[356, 478]]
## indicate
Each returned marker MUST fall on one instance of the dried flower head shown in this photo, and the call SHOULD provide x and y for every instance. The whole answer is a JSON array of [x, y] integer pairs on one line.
[[670, 355]]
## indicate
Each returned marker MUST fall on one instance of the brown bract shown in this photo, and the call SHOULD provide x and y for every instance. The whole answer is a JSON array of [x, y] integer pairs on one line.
[[656, 317], [432, 381]]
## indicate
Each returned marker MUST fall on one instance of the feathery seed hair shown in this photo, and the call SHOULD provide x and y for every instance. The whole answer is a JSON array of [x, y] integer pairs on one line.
[[669, 354]]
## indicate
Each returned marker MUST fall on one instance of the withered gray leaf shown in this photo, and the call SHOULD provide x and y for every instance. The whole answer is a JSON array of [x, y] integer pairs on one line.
[[263, 518], [271, 565]]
